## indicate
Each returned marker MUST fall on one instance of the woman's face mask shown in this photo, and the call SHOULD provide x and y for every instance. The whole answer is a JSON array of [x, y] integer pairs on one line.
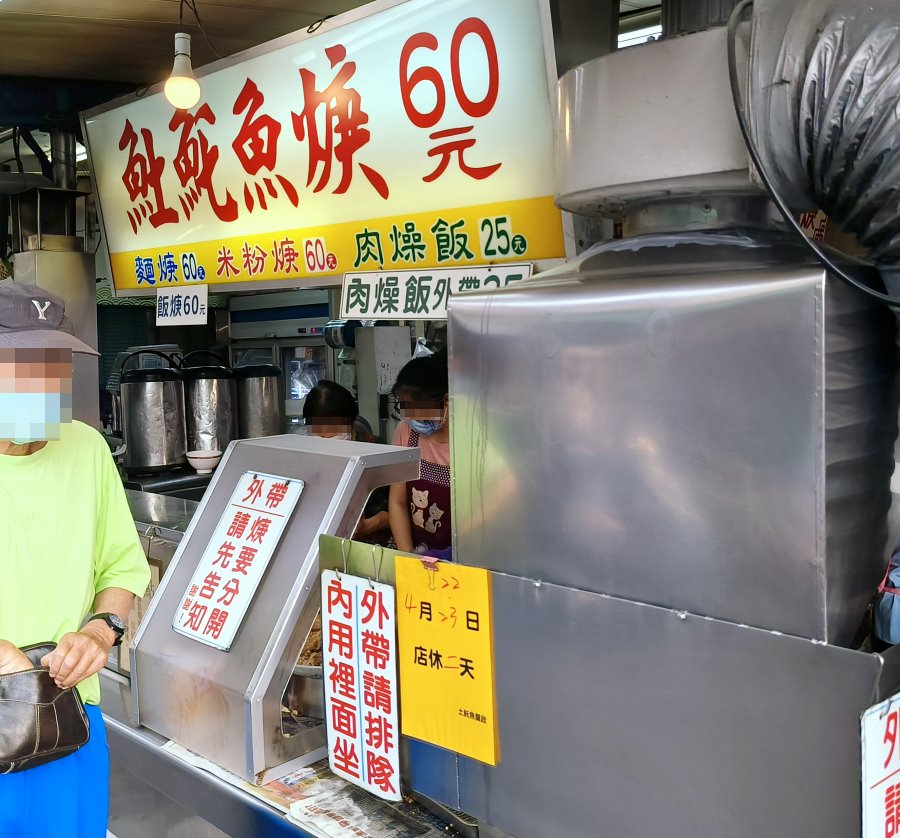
[[425, 418], [426, 427]]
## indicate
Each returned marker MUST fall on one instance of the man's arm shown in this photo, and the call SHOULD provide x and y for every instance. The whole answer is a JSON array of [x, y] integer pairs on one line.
[[80, 654]]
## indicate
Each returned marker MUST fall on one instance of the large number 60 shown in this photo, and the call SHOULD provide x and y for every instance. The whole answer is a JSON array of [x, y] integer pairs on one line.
[[409, 81]]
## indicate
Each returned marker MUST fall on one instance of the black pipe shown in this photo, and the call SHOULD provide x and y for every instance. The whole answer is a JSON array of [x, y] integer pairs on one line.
[[46, 167]]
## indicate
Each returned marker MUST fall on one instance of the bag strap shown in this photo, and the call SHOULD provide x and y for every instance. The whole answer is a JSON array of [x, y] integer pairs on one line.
[[892, 564]]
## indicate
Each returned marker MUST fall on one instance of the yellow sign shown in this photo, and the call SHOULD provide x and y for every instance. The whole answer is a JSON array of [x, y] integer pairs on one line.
[[447, 658], [441, 238]]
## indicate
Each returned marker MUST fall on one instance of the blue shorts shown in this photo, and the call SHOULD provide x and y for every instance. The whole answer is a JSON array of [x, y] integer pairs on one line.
[[67, 798]]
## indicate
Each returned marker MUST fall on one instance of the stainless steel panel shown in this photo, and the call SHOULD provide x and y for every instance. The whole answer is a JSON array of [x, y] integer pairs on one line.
[[226, 705], [860, 429], [211, 413], [686, 428], [162, 512], [155, 435], [655, 722], [139, 751], [260, 407]]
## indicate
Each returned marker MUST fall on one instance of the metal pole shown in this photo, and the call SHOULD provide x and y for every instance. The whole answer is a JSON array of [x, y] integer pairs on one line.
[[62, 158], [64, 166]]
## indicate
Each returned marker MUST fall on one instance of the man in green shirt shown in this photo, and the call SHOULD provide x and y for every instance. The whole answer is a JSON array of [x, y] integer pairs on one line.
[[71, 562]]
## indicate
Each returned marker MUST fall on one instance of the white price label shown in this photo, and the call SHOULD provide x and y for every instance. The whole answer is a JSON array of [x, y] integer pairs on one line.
[[181, 306]]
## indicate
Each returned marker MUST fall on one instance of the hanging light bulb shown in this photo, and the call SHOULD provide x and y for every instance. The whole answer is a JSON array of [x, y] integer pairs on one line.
[[182, 89]]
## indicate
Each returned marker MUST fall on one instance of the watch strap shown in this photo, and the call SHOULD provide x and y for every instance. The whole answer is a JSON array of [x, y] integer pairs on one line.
[[109, 618]]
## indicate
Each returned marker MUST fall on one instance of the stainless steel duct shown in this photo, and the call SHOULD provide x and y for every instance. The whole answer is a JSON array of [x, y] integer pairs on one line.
[[824, 86], [63, 159]]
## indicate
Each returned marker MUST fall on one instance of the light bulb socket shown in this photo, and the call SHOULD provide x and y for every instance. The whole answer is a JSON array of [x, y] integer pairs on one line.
[[182, 44], [182, 89]]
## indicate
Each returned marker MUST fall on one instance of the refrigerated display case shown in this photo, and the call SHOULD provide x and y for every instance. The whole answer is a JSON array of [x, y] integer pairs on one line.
[[286, 329]]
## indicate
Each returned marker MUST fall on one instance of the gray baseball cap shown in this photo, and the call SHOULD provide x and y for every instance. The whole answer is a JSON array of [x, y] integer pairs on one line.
[[32, 318]]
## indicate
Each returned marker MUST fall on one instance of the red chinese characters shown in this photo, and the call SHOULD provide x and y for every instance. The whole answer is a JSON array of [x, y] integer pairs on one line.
[[342, 133], [253, 259], [143, 180], [342, 682], [277, 493], [892, 811], [451, 143], [233, 563], [195, 164], [256, 148], [285, 256], [254, 491], [225, 263], [358, 653]]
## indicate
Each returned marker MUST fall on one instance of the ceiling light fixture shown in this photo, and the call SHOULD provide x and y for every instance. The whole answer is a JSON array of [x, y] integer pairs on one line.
[[182, 89]]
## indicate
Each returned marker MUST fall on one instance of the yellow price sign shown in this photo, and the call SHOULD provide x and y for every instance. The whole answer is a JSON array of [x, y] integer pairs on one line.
[[446, 656]]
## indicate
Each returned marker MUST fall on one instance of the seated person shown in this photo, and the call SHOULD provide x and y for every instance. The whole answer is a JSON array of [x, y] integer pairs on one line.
[[330, 411]]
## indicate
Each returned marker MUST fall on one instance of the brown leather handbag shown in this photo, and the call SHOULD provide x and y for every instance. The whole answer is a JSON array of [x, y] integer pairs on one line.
[[39, 722]]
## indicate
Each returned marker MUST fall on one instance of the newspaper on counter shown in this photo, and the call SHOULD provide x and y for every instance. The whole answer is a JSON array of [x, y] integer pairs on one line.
[[327, 806], [333, 808]]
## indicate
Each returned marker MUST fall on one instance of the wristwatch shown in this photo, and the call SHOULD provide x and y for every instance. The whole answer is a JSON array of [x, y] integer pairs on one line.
[[113, 621]]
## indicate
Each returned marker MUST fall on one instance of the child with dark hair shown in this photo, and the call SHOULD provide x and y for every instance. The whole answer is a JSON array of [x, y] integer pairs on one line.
[[420, 510], [330, 411]]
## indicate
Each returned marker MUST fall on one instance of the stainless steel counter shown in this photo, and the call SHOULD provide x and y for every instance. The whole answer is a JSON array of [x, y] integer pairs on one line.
[[154, 793], [170, 515]]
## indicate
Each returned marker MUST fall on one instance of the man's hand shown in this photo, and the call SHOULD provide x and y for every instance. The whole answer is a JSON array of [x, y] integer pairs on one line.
[[12, 659], [80, 654]]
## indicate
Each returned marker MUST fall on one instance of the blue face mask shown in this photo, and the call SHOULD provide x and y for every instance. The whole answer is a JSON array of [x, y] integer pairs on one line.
[[426, 427], [33, 417]]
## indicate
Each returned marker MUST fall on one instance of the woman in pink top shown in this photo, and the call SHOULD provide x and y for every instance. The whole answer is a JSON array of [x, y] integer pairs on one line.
[[419, 511]]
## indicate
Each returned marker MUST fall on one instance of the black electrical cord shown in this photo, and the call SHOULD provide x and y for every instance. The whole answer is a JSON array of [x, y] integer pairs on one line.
[[17, 154], [38, 152], [313, 27], [192, 5], [784, 209]]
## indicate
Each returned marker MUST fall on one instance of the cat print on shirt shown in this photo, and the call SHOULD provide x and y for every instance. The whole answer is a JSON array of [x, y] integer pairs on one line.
[[435, 514], [417, 508]]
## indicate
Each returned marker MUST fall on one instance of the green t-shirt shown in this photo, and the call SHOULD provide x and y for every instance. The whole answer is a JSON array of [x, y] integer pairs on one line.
[[66, 533]]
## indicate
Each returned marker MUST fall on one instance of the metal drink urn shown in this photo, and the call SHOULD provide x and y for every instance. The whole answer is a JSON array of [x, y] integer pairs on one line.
[[260, 391], [210, 405], [154, 424]]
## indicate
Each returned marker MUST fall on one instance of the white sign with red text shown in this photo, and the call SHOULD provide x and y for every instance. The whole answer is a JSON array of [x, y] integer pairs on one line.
[[881, 769], [359, 649], [233, 563], [396, 136]]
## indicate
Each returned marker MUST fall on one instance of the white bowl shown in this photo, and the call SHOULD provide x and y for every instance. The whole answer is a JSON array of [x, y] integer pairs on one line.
[[203, 462]]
